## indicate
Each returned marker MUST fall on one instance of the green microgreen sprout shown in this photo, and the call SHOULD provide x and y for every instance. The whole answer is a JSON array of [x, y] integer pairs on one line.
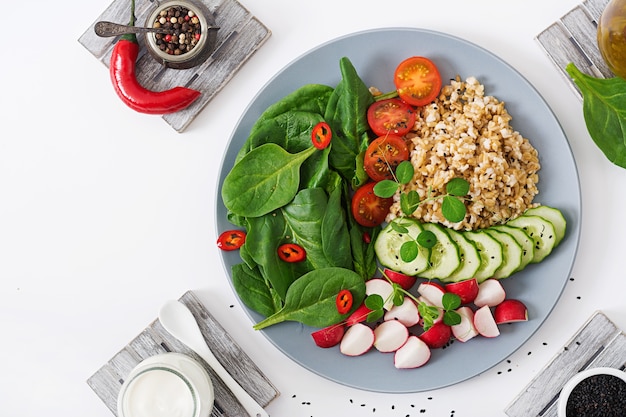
[[428, 313], [452, 205]]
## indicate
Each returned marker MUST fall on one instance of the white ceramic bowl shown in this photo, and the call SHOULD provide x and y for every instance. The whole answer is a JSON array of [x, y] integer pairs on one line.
[[576, 379], [165, 385]]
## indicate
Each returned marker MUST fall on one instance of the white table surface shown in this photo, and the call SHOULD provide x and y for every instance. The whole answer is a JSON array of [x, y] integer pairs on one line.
[[106, 213]]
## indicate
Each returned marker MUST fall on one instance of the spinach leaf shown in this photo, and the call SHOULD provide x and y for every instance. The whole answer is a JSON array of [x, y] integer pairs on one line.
[[312, 220], [312, 98], [291, 130], [604, 109], [346, 114], [311, 299], [254, 291], [317, 223], [266, 178]]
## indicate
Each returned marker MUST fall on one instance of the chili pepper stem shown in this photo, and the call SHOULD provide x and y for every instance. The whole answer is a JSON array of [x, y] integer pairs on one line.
[[131, 36]]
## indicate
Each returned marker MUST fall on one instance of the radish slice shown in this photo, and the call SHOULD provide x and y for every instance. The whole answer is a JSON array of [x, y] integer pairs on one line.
[[381, 287], [413, 354], [485, 323], [490, 293], [510, 311], [465, 330], [432, 292], [357, 340], [406, 313], [389, 336]]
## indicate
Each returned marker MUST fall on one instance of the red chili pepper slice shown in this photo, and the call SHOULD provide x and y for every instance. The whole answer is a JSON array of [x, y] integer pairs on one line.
[[231, 239], [321, 135], [344, 301], [291, 252], [132, 93]]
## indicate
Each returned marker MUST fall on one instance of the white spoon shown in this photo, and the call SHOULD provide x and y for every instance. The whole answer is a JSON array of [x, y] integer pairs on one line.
[[178, 320]]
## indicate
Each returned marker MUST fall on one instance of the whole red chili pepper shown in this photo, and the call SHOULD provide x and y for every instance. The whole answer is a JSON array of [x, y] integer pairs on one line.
[[122, 71]]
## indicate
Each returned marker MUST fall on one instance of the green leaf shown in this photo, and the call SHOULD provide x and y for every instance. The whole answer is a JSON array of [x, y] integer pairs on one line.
[[386, 188], [604, 110], [451, 318], [409, 202], [253, 290], [450, 301], [453, 209], [404, 172], [374, 302], [427, 239], [266, 178], [397, 227], [375, 315], [409, 251], [311, 299], [398, 295], [458, 187]]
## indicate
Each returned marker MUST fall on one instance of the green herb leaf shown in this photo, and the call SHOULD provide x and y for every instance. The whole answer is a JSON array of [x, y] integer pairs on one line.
[[386, 188], [374, 302], [450, 301], [427, 239], [458, 187], [404, 172], [398, 295], [453, 209], [604, 109], [451, 318], [375, 315], [409, 251], [428, 314], [409, 202], [398, 228]]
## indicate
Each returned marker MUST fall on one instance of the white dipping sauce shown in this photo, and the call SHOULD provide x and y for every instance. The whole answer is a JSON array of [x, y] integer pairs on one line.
[[166, 385], [159, 393]]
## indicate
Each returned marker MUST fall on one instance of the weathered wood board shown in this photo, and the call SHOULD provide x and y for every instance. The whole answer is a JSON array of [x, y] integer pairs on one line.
[[239, 36], [598, 343], [153, 340], [573, 39]]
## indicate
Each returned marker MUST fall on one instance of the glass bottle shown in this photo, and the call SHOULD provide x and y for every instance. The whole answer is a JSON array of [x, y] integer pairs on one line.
[[612, 36]]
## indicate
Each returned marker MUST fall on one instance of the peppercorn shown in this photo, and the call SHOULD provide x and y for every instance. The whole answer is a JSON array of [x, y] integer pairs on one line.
[[185, 27]]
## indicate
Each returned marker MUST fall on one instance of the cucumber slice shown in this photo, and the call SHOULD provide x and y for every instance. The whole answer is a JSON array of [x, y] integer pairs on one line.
[[444, 256], [552, 215], [490, 251], [470, 258], [540, 230], [511, 253], [390, 241], [527, 244]]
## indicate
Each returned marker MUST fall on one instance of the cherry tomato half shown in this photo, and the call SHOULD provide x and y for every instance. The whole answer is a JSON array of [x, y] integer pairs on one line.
[[368, 209], [321, 135], [391, 116], [291, 252], [383, 156], [231, 239], [344, 301], [417, 80]]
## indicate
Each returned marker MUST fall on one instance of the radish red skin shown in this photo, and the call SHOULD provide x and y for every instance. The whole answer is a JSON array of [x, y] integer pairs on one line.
[[510, 311], [359, 315], [437, 336], [467, 290], [404, 281], [329, 336]]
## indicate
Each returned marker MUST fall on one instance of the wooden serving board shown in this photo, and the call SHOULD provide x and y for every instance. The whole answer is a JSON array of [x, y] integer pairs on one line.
[[598, 343], [108, 380], [574, 39], [239, 36]]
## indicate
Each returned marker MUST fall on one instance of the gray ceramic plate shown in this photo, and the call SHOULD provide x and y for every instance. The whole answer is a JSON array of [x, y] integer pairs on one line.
[[375, 54]]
